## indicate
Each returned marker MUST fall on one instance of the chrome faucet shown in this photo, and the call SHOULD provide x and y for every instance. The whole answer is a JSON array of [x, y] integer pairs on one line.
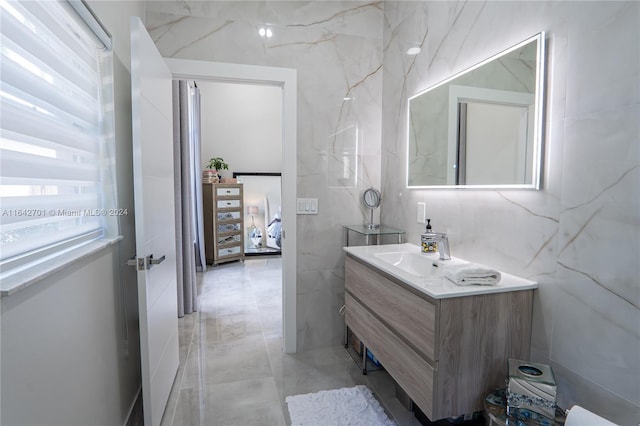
[[432, 239], [435, 240], [443, 246]]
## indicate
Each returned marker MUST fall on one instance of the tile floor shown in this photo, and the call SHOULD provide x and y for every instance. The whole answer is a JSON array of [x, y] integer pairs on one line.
[[232, 370]]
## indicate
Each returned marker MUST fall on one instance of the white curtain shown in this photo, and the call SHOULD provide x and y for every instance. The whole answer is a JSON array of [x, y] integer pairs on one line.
[[196, 166], [189, 222]]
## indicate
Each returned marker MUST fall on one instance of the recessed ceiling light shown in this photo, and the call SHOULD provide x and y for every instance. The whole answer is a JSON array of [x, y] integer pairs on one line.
[[265, 32], [413, 50]]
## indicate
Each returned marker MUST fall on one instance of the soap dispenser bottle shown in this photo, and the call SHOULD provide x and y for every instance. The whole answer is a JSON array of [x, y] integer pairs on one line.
[[428, 239]]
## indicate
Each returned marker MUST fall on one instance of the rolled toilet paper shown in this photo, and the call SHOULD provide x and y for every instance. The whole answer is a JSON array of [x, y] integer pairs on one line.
[[578, 416]]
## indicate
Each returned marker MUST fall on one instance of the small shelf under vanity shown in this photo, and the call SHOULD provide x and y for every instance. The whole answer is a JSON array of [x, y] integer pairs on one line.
[[359, 353]]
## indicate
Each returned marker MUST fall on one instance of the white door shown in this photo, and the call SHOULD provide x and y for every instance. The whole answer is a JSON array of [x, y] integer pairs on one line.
[[154, 214]]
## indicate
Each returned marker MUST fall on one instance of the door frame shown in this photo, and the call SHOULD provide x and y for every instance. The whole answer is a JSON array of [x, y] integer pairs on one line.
[[287, 79]]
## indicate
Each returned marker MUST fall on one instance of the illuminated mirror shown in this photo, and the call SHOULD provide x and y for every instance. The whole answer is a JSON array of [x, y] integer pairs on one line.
[[481, 128]]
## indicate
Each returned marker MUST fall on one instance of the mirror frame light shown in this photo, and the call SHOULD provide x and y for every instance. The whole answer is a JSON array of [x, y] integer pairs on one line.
[[538, 126]]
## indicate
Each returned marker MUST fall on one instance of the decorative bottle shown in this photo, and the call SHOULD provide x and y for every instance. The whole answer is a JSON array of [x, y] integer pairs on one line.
[[428, 239]]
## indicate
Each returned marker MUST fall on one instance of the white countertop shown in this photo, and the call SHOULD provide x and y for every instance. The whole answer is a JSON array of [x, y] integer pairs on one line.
[[436, 286]]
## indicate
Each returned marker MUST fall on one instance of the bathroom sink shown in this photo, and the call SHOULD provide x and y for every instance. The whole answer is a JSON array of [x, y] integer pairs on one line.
[[412, 263]]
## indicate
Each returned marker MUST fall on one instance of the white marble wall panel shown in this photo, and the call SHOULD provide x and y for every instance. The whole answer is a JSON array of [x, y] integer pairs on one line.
[[336, 48], [579, 237], [320, 296]]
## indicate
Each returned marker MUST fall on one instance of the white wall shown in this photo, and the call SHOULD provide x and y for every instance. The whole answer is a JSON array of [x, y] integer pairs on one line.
[[242, 123], [63, 349], [578, 236], [70, 343]]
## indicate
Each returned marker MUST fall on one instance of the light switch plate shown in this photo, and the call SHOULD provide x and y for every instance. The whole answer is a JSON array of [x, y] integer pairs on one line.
[[307, 206], [422, 212]]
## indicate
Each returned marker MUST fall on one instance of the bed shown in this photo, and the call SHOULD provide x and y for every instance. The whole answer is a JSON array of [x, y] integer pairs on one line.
[[273, 219]]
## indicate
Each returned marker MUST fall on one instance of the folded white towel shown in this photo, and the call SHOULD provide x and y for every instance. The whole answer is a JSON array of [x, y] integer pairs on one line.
[[471, 274]]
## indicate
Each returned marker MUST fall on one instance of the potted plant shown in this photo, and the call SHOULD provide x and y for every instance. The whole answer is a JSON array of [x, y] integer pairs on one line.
[[215, 165]]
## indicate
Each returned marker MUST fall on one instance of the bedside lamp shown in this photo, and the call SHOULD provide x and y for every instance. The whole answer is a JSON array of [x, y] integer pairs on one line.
[[254, 233], [252, 211]]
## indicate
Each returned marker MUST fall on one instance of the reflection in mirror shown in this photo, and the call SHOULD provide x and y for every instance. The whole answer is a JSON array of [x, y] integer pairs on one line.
[[481, 128]]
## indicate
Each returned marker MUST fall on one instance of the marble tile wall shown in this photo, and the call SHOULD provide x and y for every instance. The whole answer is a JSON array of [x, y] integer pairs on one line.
[[336, 48], [579, 236]]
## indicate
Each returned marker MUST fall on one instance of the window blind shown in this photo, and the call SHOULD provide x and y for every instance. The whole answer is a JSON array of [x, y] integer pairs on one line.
[[57, 184]]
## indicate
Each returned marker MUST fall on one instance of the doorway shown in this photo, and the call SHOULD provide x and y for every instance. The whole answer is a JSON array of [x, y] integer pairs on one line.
[[286, 79], [242, 124]]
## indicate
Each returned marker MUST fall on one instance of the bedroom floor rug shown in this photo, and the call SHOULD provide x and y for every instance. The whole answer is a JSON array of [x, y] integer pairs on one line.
[[354, 406]]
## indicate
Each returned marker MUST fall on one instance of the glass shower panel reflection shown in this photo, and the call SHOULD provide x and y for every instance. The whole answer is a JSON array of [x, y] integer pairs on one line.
[[342, 166]]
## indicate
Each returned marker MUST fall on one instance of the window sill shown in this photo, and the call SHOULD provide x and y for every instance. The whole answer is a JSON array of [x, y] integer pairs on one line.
[[21, 280]]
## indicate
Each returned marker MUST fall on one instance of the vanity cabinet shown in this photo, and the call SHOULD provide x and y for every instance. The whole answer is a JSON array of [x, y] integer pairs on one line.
[[223, 222], [446, 353]]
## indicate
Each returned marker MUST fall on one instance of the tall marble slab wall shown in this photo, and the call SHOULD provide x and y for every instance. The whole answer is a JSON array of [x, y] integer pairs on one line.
[[579, 236], [336, 48]]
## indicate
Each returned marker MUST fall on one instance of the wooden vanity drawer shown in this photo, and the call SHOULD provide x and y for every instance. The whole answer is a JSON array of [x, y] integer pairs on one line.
[[412, 372], [410, 315]]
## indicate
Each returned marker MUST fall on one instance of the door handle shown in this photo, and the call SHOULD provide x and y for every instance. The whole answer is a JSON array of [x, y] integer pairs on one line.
[[151, 261], [140, 263]]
